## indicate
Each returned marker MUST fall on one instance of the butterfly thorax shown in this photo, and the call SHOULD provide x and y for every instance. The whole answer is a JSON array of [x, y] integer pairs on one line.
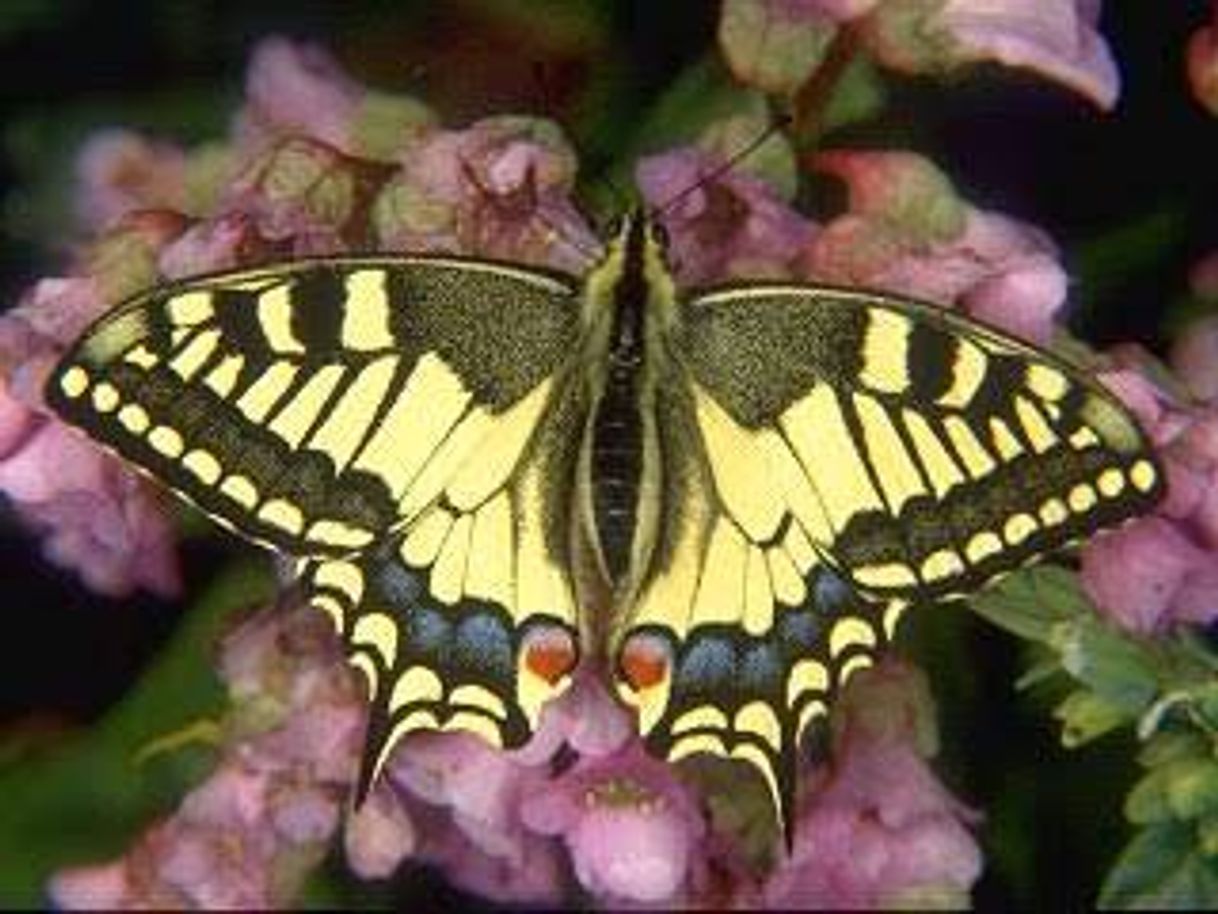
[[628, 303]]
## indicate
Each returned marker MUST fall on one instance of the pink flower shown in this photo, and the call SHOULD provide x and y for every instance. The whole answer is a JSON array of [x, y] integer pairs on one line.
[[463, 806], [584, 718], [246, 836], [905, 231], [96, 516], [379, 836], [732, 227], [1162, 569], [222, 243], [481, 786], [1201, 59], [879, 830], [1194, 358], [497, 823], [1194, 352], [305, 197], [1148, 575], [1057, 39], [631, 827], [499, 188], [119, 171], [294, 89], [535, 873]]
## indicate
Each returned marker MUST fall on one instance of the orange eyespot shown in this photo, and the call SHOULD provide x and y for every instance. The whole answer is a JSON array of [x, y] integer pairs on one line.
[[644, 661], [550, 654]]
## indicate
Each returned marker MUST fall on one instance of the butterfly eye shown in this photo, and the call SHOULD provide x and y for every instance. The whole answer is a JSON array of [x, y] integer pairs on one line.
[[616, 225]]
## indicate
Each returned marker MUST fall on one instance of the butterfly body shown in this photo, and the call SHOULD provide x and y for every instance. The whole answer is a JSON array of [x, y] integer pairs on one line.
[[487, 474]]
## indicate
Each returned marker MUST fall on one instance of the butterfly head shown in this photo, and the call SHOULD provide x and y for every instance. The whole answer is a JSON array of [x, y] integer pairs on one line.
[[636, 232], [633, 280]]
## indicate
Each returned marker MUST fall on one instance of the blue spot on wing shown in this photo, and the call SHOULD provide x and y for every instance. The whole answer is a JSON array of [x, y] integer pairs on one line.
[[829, 591], [484, 644], [400, 587], [709, 663], [761, 669], [428, 632], [797, 633]]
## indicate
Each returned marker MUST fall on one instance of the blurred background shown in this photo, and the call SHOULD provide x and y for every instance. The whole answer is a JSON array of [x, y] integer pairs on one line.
[[1131, 196]]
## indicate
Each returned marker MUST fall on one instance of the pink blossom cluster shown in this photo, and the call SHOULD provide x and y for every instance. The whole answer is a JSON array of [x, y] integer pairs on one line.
[[319, 164], [601, 817], [249, 834], [1163, 569], [1056, 39]]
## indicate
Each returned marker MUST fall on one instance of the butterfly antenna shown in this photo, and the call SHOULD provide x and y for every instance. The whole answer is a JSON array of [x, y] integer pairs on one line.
[[777, 125]]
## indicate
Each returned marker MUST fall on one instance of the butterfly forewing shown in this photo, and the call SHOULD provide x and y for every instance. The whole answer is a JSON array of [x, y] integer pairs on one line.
[[921, 453], [400, 424]]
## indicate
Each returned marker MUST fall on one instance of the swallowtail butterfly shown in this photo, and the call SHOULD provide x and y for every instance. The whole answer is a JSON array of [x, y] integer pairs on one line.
[[487, 473]]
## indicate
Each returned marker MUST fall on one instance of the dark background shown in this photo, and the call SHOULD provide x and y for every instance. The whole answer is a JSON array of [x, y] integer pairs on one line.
[[1131, 196]]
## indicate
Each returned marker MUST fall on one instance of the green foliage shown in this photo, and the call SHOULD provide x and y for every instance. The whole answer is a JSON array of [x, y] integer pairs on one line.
[[1162, 687], [1162, 867], [84, 800]]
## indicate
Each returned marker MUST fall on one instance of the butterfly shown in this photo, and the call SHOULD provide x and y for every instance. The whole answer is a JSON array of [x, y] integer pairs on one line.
[[489, 474]]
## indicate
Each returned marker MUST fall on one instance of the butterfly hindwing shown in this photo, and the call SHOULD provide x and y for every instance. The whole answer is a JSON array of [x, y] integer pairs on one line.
[[740, 633], [405, 428], [465, 618], [857, 454]]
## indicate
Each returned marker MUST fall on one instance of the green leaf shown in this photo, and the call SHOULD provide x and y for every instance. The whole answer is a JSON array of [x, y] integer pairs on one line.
[[1032, 603], [769, 46], [1192, 787], [1119, 668], [1162, 867], [1182, 780], [85, 800], [1041, 670], [1147, 802], [1112, 258], [1168, 746], [1086, 716]]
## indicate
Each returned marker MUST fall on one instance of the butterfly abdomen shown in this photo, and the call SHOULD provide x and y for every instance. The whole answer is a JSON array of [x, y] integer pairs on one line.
[[616, 467]]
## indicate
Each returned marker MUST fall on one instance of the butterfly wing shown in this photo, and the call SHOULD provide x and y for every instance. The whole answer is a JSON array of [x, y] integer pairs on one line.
[[382, 419], [829, 458]]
